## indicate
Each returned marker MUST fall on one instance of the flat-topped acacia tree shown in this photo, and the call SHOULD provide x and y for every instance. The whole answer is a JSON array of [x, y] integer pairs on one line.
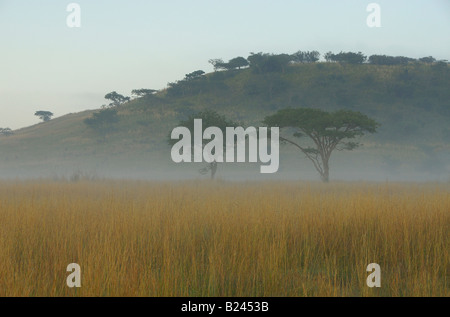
[[117, 99], [44, 115], [326, 131]]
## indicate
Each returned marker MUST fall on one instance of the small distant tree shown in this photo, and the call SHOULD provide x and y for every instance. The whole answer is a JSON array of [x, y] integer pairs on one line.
[[427, 60], [237, 62], [218, 64], [312, 57], [6, 131], [277, 63], [138, 93], [305, 57], [329, 57], [346, 57], [194, 75], [326, 132], [352, 58], [116, 99], [298, 57], [44, 115], [269, 63], [389, 60]]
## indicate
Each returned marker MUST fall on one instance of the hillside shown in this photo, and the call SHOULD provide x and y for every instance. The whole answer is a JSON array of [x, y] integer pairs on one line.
[[412, 103]]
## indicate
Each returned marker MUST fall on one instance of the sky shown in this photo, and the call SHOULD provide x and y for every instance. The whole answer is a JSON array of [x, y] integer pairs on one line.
[[126, 45]]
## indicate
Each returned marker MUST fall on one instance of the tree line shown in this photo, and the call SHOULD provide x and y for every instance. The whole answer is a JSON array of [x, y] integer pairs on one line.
[[265, 62]]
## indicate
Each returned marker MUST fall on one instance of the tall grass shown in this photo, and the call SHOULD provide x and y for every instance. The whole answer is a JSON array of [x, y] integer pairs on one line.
[[223, 239]]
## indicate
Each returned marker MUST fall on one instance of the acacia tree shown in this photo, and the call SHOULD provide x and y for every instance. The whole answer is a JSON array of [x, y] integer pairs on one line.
[[6, 131], [194, 75], [305, 57], [218, 64], [139, 93], [262, 63], [210, 118], [326, 131], [117, 99], [44, 115], [237, 62]]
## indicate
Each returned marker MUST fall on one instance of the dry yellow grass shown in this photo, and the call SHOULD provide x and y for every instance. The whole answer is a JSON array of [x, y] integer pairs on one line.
[[223, 239]]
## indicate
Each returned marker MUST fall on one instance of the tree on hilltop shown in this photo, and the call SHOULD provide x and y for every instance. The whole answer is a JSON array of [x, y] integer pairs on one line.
[[139, 93], [44, 115], [6, 131], [116, 99]]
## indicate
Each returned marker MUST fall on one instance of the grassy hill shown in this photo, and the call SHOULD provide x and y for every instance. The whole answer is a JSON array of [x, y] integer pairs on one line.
[[412, 103]]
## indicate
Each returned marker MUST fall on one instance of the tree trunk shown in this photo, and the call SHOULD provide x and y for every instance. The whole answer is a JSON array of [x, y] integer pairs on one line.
[[213, 169], [325, 175]]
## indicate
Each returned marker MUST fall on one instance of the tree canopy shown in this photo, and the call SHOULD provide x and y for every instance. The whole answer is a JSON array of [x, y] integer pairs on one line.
[[116, 99], [269, 63], [44, 115], [389, 60], [6, 131], [305, 57], [194, 75], [346, 57], [218, 64], [143, 92], [237, 62]]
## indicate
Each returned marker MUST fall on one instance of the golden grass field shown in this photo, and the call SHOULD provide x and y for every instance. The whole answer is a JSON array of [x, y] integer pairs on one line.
[[206, 238]]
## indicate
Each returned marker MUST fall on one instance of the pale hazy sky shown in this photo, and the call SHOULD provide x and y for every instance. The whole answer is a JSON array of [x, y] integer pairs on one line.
[[123, 45]]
